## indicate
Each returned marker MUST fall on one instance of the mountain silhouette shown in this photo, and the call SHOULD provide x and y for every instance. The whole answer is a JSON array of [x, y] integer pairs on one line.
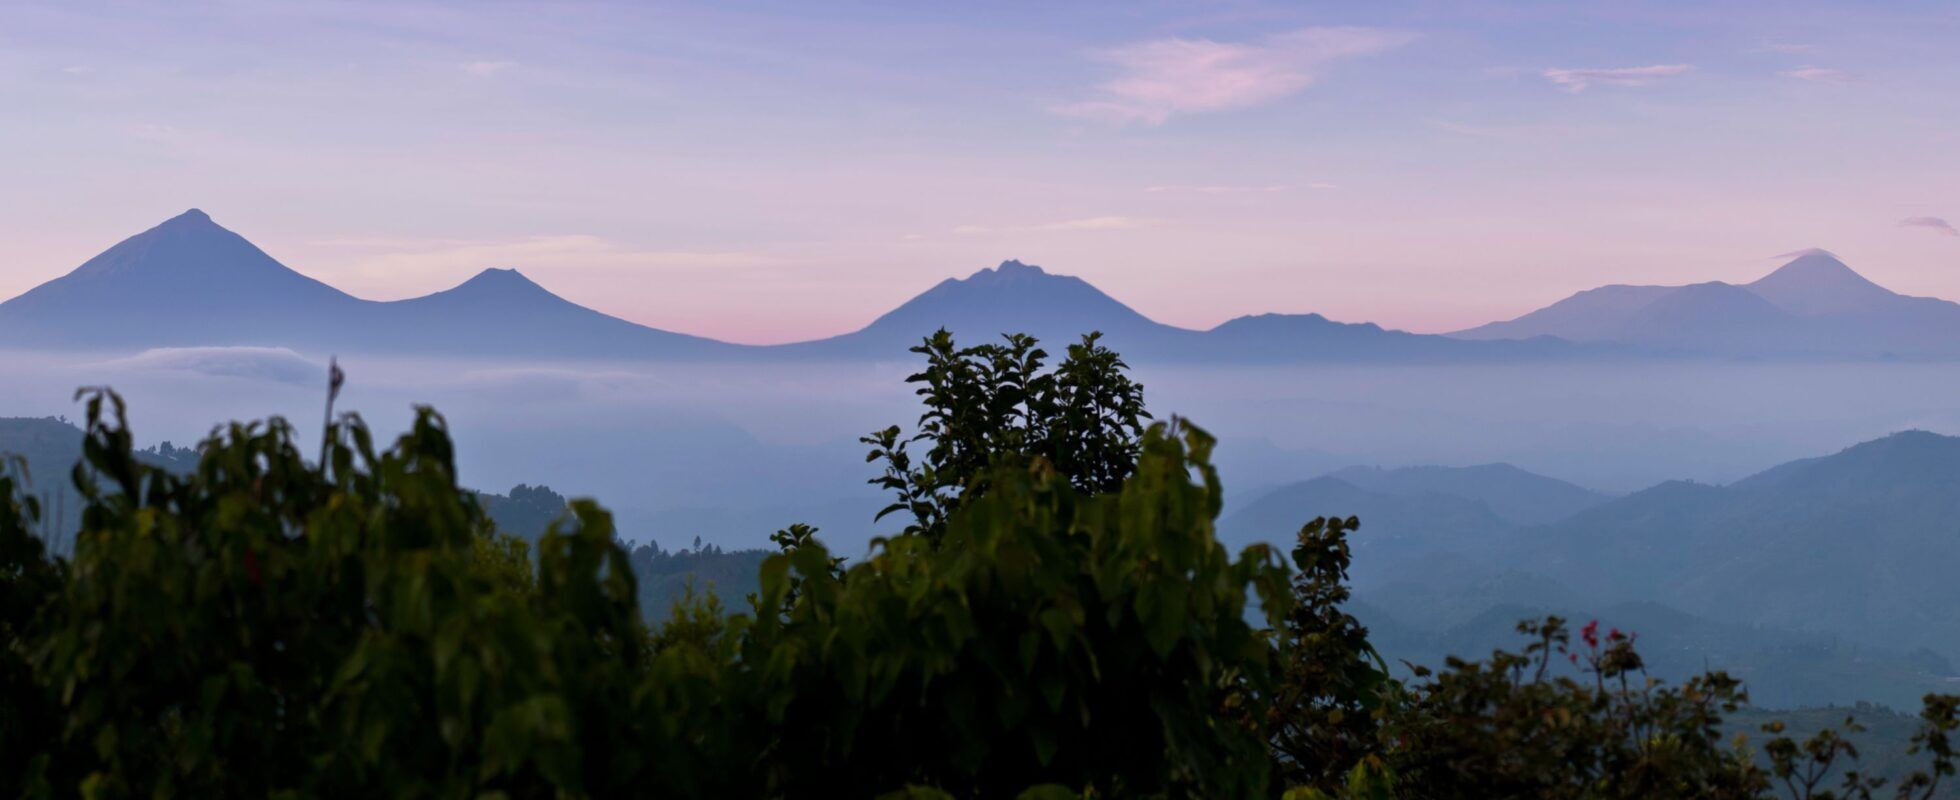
[[187, 281], [1016, 297], [190, 282], [1814, 305], [517, 317], [1816, 283], [1013, 297]]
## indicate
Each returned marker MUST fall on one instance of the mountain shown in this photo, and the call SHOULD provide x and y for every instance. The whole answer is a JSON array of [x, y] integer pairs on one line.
[[1517, 496], [1432, 534], [1814, 305], [190, 282], [1058, 309], [187, 281], [1442, 523], [1821, 580], [1816, 284], [501, 312], [1011, 298], [1863, 543]]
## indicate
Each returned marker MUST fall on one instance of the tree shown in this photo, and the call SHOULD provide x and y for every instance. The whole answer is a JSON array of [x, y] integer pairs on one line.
[[994, 403]]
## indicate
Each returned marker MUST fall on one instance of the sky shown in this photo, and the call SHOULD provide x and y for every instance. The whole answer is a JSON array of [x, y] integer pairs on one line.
[[776, 171]]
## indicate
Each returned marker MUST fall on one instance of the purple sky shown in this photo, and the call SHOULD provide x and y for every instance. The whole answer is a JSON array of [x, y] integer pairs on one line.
[[773, 171]]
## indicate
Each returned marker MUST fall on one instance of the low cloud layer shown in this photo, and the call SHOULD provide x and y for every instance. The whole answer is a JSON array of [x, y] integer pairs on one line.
[[1162, 78], [276, 364]]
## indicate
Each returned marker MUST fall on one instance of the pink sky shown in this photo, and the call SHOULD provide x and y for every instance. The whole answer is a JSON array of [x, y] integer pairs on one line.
[[773, 175]]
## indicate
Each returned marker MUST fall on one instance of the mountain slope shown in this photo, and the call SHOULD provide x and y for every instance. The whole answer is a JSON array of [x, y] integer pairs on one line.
[[1814, 305], [1816, 283], [1059, 309], [190, 282], [187, 281], [1864, 543], [501, 312], [1425, 532], [1588, 316], [1520, 497], [1010, 298]]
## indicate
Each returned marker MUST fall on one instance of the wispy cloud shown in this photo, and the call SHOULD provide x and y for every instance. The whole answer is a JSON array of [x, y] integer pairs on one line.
[[1817, 75], [1503, 131], [1163, 78], [1111, 223], [1934, 224], [1221, 189], [153, 131], [486, 69], [1095, 224], [1578, 80]]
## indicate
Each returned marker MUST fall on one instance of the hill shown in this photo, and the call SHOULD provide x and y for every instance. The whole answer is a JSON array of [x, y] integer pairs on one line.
[[1862, 544], [1518, 496]]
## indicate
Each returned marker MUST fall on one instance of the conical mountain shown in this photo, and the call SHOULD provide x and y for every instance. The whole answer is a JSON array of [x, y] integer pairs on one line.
[[1817, 284], [1010, 298], [186, 281], [191, 282], [502, 312], [1016, 297], [1813, 305]]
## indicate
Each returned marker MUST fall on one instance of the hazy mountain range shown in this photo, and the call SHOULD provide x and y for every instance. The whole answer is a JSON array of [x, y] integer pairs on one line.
[[1818, 574], [190, 282], [1813, 305]]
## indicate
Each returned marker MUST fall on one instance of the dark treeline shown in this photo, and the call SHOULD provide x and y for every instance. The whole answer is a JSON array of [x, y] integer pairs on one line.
[[1057, 619]]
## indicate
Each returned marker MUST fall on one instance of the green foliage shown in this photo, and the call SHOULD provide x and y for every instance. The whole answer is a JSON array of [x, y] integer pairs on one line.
[[1518, 725], [263, 625], [994, 403], [1326, 714], [1049, 636]]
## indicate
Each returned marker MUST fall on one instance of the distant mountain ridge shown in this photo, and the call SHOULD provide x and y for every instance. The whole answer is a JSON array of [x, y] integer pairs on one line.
[[1864, 542], [1824, 579], [190, 282], [1814, 305]]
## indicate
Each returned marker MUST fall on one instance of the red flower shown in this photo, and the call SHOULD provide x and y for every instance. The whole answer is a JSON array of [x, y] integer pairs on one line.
[[1590, 633]]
